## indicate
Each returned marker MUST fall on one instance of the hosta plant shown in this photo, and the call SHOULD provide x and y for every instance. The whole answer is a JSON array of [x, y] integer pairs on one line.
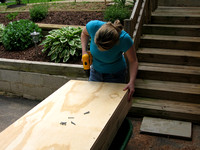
[[62, 44]]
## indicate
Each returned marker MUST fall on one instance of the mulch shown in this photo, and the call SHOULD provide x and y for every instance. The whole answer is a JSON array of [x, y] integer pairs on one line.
[[56, 17]]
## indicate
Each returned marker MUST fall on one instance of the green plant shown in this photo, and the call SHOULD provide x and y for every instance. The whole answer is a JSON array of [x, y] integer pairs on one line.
[[63, 43], [16, 35], [2, 27], [12, 16], [115, 12], [38, 12]]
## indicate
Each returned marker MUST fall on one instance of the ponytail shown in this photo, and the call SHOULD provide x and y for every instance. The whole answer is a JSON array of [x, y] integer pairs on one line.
[[118, 26], [108, 35]]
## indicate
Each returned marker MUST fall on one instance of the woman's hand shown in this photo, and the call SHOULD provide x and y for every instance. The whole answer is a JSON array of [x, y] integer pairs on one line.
[[131, 89]]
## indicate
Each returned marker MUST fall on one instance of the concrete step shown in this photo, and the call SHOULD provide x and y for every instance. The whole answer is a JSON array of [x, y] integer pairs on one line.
[[176, 91], [169, 56], [186, 3], [177, 30], [165, 109], [170, 42], [168, 72]]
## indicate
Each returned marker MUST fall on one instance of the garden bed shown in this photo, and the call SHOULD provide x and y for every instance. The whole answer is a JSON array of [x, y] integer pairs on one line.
[[74, 14], [57, 17]]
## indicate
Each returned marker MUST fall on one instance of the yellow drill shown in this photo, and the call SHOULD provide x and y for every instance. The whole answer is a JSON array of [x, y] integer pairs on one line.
[[87, 61]]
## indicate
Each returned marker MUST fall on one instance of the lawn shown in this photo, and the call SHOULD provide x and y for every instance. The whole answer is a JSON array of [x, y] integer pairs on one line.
[[58, 6]]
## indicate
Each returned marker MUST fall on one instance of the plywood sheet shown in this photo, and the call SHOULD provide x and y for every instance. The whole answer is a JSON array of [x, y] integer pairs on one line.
[[166, 127], [80, 115]]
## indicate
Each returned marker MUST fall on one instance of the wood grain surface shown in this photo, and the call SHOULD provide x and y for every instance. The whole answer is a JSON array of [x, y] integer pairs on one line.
[[80, 115]]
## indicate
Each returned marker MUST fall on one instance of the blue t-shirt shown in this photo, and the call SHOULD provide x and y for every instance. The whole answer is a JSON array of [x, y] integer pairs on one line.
[[112, 60]]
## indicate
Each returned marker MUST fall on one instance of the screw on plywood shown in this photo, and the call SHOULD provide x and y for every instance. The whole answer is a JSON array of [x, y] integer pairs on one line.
[[70, 117], [87, 112], [63, 123], [73, 123]]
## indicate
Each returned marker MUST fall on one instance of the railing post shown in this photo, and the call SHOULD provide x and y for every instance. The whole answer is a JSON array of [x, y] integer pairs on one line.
[[127, 27]]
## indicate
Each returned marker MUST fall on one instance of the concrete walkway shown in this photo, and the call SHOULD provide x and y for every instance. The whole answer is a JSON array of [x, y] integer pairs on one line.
[[12, 108]]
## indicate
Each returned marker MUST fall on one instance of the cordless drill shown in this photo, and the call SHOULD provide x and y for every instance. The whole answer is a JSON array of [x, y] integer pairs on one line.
[[87, 61]]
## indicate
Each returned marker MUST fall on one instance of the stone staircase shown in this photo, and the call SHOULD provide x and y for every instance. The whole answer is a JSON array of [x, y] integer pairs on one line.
[[168, 80]]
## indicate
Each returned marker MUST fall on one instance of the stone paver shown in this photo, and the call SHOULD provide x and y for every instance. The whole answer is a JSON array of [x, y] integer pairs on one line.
[[166, 127]]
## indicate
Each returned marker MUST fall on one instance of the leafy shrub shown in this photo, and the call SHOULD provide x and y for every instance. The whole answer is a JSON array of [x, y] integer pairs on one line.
[[63, 43], [115, 12], [38, 12], [12, 16], [16, 35], [2, 27]]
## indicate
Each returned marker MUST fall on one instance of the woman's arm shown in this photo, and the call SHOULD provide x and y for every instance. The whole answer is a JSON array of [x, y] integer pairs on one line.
[[133, 67], [84, 40]]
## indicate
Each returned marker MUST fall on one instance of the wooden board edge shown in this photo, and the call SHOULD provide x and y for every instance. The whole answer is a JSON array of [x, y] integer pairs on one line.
[[113, 125]]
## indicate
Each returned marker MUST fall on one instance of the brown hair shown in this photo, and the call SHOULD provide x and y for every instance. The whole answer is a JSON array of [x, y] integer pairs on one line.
[[108, 35]]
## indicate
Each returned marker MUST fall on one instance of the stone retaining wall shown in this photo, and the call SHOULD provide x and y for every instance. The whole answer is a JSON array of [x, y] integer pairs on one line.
[[36, 80]]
